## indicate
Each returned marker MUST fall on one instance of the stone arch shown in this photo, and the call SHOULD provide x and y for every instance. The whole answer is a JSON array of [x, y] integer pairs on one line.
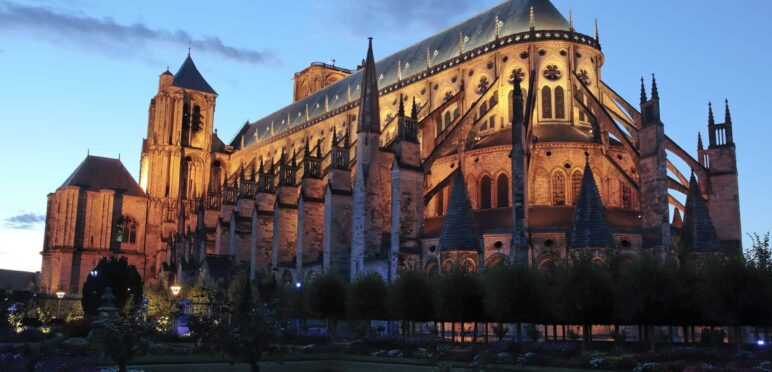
[[432, 268], [496, 259], [546, 261]]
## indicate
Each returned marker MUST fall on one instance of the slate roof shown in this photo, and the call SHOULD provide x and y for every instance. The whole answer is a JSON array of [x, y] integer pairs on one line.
[[188, 77], [590, 227], [15, 280], [698, 234], [480, 29], [98, 173], [459, 229], [369, 109]]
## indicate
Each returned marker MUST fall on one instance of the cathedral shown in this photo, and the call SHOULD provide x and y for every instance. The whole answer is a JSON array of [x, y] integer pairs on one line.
[[496, 140]]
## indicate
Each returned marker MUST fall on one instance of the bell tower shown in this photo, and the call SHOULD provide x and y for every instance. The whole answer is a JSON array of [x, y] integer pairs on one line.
[[179, 132]]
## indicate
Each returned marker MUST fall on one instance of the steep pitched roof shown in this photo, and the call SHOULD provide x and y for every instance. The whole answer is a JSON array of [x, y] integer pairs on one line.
[[369, 109], [443, 46], [459, 229], [16, 280], [678, 222], [697, 232], [98, 173], [188, 77], [590, 228]]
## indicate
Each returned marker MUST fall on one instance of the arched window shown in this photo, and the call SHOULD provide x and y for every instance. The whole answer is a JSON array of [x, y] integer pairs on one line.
[[558, 189], [502, 191], [448, 119], [483, 108], [560, 111], [485, 192], [286, 277], [196, 118], [440, 202], [580, 98], [546, 102], [456, 113], [185, 125], [627, 201], [576, 184], [493, 101], [492, 122], [126, 231]]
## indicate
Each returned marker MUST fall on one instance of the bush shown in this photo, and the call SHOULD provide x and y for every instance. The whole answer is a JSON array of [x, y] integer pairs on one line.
[[76, 328]]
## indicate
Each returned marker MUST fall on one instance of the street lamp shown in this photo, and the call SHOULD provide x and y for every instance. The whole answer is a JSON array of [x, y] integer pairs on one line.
[[175, 289], [60, 296]]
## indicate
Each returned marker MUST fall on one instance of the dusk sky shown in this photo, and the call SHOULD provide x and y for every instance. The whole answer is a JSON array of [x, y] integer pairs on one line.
[[78, 76]]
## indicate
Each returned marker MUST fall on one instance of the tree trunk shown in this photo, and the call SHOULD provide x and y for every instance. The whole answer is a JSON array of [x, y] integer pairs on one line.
[[485, 337], [563, 328], [585, 339], [519, 332], [686, 334], [737, 339], [122, 365], [474, 337]]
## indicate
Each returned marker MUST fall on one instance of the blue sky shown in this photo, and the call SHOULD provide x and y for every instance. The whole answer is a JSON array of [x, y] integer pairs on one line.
[[78, 75]]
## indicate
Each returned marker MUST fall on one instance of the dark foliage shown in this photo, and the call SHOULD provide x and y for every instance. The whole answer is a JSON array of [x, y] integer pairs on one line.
[[117, 274]]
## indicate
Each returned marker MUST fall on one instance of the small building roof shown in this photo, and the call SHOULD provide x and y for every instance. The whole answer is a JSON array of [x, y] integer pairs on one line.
[[99, 173], [188, 77], [16, 280]]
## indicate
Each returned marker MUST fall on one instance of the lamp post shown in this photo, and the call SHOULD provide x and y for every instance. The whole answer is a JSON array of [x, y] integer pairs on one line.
[[60, 295], [175, 288]]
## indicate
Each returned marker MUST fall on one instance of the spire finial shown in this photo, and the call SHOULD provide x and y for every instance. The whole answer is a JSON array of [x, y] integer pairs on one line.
[[428, 58], [334, 136], [497, 26], [699, 141], [597, 33], [570, 19], [414, 110], [643, 92], [401, 111], [727, 114], [711, 120], [189, 48], [654, 91], [531, 19]]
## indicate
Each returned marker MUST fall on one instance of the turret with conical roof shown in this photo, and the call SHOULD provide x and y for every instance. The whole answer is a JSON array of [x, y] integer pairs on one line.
[[698, 235], [459, 229], [590, 227]]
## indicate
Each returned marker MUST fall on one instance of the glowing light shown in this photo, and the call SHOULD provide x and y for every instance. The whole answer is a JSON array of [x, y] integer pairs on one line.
[[60, 294], [761, 342], [175, 289], [297, 285], [94, 273]]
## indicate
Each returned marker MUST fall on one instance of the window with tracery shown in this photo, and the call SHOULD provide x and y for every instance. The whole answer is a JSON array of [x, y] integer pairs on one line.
[[580, 98], [576, 184], [558, 189], [485, 192], [196, 118], [126, 231], [546, 102], [502, 191]]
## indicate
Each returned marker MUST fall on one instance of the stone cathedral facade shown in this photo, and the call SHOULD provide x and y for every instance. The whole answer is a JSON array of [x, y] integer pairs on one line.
[[495, 140]]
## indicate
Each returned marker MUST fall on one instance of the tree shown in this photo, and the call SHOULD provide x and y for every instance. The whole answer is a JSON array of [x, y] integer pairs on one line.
[[583, 293], [160, 306], [412, 297], [327, 298], [254, 332], [459, 294], [367, 299], [118, 275], [514, 293]]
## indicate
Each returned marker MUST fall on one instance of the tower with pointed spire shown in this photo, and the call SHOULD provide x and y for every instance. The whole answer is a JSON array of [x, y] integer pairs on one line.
[[722, 186], [655, 201]]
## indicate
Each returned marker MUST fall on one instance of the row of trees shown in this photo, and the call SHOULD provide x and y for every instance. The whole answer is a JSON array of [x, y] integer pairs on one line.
[[646, 291]]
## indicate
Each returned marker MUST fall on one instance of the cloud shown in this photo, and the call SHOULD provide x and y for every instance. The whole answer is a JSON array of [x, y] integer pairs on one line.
[[402, 15], [109, 37], [25, 221]]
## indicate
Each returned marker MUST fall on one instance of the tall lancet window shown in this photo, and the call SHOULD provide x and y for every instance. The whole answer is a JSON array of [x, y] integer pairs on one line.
[[576, 184], [558, 189], [485, 192], [627, 200], [196, 118], [560, 111], [546, 102], [502, 191], [580, 98]]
